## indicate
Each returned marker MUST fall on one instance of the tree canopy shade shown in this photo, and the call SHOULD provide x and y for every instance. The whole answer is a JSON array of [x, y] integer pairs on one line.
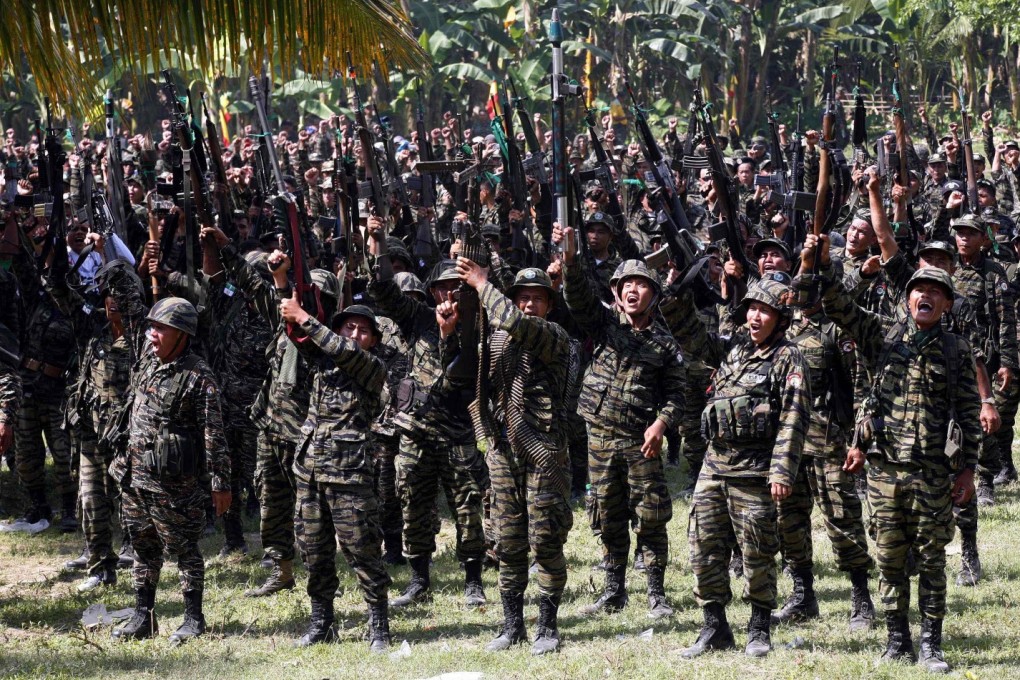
[[63, 42]]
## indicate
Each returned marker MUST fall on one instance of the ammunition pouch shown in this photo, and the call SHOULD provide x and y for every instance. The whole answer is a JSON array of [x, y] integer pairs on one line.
[[954, 446], [175, 454], [410, 397], [739, 420]]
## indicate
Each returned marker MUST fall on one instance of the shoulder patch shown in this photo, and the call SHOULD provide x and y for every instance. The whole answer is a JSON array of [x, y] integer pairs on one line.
[[847, 346], [795, 380]]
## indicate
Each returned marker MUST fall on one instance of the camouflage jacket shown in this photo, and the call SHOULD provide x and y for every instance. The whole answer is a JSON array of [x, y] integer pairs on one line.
[[10, 394], [282, 402], [394, 351], [175, 410], [238, 341], [635, 376], [444, 413], [986, 286], [543, 347], [909, 406], [49, 338], [346, 394], [759, 403]]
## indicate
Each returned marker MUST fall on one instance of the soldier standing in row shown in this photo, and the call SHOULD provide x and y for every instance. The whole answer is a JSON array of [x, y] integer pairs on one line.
[[527, 456]]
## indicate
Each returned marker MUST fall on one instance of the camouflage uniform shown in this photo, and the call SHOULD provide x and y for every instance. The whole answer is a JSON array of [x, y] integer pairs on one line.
[[530, 495], [175, 444], [635, 378], [335, 472], [437, 445], [909, 476]]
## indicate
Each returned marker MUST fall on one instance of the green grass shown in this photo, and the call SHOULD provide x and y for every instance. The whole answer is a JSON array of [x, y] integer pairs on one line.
[[40, 633]]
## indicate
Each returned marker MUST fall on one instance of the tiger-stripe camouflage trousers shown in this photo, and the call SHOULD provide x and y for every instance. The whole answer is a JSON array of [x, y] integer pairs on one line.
[[242, 443], [158, 522], [422, 467], [988, 466], [328, 515], [384, 450], [275, 486], [821, 478], [1007, 403], [910, 509], [98, 495], [629, 487], [39, 419], [699, 377], [721, 508], [528, 512]]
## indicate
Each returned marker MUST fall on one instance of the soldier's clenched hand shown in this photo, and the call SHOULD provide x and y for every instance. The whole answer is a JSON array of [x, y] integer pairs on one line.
[[780, 492], [290, 310], [447, 315], [963, 488], [471, 273], [653, 439], [221, 501]]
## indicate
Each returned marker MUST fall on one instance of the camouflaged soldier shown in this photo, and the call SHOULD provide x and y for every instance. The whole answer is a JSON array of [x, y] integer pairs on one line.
[[920, 430], [437, 444], [279, 409], [983, 281], [527, 455], [756, 422], [10, 387], [631, 396], [175, 441], [334, 468], [237, 345]]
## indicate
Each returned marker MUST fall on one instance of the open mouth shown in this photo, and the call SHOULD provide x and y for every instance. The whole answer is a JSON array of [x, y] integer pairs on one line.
[[632, 299], [925, 307]]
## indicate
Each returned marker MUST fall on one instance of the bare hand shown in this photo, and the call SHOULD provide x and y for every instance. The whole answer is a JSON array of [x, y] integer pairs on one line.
[[279, 262], [215, 235], [780, 492], [963, 488], [854, 461], [653, 439], [290, 310], [471, 273], [447, 316], [1005, 378], [872, 265], [221, 501], [990, 420]]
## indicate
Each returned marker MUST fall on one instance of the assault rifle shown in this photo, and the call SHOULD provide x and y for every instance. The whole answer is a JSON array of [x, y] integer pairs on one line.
[[781, 194], [968, 156], [115, 193], [285, 215]]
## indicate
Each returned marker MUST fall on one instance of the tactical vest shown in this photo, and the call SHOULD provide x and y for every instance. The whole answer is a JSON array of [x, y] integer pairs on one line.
[[748, 418]]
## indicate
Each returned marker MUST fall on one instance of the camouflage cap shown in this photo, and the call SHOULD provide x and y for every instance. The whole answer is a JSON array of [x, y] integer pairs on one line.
[[934, 275], [936, 158], [938, 246], [773, 290], [599, 217], [780, 245], [259, 260], [531, 277], [968, 222], [357, 310], [631, 268], [409, 283], [176, 313], [327, 282], [445, 270], [863, 215]]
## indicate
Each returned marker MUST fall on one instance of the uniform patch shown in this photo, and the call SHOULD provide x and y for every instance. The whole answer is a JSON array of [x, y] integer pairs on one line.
[[847, 346], [752, 379], [1004, 287], [794, 380], [880, 291]]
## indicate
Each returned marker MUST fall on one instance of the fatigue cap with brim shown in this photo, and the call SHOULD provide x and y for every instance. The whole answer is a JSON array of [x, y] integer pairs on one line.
[[409, 283], [968, 222], [985, 183], [1014, 145], [978, 158], [631, 268], [327, 282], [863, 215], [599, 217], [953, 185], [357, 310], [259, 260], [940, 246], [531, 277], [176, 313], [936, 158], [773, 290], [761, 245], [934, 275], [445, 270]]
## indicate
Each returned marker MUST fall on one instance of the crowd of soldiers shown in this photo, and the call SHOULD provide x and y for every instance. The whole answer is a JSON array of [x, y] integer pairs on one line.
[[183, 361]]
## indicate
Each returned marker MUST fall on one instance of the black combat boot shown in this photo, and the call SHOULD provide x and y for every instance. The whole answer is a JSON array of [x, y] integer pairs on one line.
[[280, 578], [194, 620], [862, 611], [639, 558], [233, 535], [803, 604], [759, 635], [614, 597], [986, 491], [673, 450], [547, 638], [79, 562], [378, 628], [715, 632], [393, 549], [142, 623], [320, 628], [126, 556], [931, 646], [38, 509], [68, 507], [1007, 475], [900, 647], [474, 594], [970, 562], [513, 631], [419, 588], [658, 608]]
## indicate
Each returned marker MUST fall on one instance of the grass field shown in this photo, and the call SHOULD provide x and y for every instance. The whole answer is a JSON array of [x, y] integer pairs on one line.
[[41, 634]]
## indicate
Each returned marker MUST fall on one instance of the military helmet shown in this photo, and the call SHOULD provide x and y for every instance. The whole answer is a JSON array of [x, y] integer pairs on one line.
[[630, 268], [771, 243], [409, 283], [176, 313], [327, 283], [531, 277], [774, 290], [935, 275], [358, 310]]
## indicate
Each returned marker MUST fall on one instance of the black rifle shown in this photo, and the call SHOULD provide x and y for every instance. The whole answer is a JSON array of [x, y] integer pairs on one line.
[[534, 163], [603, 171], [968, 156], [781, 194], [425, 250], [115, 192]]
